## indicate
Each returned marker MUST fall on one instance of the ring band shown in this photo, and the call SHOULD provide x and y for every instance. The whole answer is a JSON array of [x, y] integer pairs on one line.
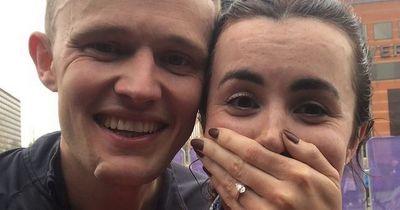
[[240, 188]]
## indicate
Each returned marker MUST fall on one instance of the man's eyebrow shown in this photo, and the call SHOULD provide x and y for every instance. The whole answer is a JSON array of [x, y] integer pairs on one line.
[[196, 47], [243, 74], [99, 30], [314, 84], [111, 29]]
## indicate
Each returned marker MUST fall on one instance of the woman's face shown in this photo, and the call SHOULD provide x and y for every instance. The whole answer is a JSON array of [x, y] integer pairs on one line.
[[293, 74]]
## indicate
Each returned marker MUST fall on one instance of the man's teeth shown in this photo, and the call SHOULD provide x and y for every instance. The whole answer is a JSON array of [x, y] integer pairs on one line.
[[125, 125]]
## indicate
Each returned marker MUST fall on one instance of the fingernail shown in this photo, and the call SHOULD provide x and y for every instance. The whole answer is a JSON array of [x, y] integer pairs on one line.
[[197, 144], [213, 132], [198, 153], [291, 136], [207, 172]]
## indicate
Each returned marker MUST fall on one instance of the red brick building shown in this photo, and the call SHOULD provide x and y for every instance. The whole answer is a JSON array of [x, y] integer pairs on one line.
[[381, 27]]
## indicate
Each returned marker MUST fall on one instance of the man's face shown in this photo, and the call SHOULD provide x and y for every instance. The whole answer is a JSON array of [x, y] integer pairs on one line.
[[129, 77]]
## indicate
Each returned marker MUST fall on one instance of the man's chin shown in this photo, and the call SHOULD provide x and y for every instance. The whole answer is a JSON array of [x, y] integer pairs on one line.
[[126, 174]]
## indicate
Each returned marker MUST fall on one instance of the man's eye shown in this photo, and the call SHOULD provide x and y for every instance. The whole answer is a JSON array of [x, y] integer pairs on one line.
[[175, 60], [311, 109], [176, 63], [104, 51], [242, 101]]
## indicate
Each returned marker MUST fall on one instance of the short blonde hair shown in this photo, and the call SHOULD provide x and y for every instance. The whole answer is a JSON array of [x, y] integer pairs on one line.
[[50, 16]]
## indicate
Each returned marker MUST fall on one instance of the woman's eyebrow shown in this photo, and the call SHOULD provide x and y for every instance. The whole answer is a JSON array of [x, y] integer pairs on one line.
[[243, 74], [314, 84]]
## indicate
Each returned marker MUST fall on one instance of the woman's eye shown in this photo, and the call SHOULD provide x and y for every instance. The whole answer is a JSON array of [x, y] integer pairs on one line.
[[242, 101], [311, 109]]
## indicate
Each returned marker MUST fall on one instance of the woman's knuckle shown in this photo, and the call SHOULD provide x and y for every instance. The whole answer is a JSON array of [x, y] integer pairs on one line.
[[284, 199], [236, 168], [251, 153], [303, 178]]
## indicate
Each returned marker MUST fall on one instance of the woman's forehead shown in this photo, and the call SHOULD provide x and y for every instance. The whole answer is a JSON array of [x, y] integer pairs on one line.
[[301, 47]]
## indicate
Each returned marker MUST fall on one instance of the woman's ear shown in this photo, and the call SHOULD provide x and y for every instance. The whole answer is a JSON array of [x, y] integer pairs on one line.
[[352, 148], [41, 54]]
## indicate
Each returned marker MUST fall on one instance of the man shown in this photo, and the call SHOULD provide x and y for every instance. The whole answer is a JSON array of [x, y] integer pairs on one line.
[[128, 75]]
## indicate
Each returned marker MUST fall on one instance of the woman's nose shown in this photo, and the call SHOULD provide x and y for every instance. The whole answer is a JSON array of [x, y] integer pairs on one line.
[[270, 135]]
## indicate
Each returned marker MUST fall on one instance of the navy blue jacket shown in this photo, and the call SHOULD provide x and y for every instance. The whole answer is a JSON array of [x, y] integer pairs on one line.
[[31, 179]]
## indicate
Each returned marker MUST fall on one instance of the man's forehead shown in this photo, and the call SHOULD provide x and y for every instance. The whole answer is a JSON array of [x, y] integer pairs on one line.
[[59, 5], [68, 11], [178, 18]]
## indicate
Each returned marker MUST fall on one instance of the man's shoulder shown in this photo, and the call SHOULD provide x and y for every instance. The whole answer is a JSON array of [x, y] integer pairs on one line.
[[13, 174], [15, 161], [23, 169], [11, 163]]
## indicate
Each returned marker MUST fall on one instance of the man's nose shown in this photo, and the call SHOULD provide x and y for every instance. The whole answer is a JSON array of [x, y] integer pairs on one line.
[[271, 131], [138, 82]]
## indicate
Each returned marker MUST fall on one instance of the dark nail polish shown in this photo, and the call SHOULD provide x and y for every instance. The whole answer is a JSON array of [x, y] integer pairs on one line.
[[213, 132], [207, 172], [198, 153], [291, 136], [197, 144]]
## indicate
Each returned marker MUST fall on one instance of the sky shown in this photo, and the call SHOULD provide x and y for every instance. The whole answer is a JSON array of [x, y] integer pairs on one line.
[[18, 19]]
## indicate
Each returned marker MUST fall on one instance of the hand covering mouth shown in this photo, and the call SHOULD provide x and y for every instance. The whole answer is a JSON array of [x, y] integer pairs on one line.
[[128, 128]]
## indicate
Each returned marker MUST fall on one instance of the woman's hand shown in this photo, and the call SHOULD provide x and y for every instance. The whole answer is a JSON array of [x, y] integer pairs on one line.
[[306, 180]]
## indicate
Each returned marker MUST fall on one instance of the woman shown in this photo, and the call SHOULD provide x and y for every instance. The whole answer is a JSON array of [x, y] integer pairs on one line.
[[288, 103]]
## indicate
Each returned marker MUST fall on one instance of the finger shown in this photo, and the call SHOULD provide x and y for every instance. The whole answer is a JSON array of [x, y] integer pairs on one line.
[[297, 180], [225, 195], [309, 154], [255, 154], [225, 186], [233, 166], [223, 183], [250, 200], [301, 180]]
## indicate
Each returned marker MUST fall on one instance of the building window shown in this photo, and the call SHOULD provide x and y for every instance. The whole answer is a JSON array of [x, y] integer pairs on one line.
[[383, 30], [394, 111], [385, 71]]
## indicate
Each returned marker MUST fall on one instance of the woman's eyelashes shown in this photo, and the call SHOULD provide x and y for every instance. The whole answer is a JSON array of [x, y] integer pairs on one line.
[[242, 103], [311, 112]]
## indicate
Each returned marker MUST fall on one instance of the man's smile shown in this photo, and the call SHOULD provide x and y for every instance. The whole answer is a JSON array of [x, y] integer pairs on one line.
[[128, 128]]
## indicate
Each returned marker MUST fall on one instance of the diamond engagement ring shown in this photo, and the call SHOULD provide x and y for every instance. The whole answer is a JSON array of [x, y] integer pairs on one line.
[[240, 188]]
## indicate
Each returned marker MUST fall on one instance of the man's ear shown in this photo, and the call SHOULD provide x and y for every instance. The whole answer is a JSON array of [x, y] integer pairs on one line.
[[352, 148], [41, 54]]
